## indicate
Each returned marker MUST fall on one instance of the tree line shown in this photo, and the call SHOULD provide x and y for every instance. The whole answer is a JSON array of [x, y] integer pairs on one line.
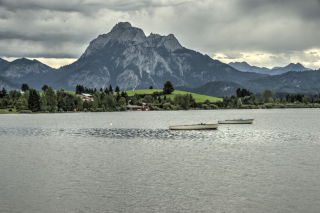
[[107, 100]]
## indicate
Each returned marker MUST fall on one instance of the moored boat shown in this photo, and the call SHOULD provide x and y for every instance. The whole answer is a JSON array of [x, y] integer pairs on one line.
[[200, 126], [236, 121]]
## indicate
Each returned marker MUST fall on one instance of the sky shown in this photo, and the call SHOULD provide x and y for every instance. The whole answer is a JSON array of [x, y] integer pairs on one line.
[[264, 33]]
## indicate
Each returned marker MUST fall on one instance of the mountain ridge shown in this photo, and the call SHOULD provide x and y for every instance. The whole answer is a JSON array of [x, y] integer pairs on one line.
[[245, 67]]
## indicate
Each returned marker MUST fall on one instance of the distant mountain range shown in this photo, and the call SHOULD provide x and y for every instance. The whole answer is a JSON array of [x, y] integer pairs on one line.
[[306, 82], [245, 67], [127, 58]]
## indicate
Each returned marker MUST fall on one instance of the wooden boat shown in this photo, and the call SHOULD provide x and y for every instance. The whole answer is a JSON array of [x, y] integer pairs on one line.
[[237, 121], [200, 126]]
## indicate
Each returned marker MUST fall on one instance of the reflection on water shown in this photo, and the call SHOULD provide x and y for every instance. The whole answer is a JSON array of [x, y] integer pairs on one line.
[[231, 133], [80, 163]]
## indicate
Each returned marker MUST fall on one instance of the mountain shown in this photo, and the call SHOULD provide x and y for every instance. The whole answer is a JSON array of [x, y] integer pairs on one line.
[[245, 67], [289, 67], [127, 58], [214, 88], [4, 83], [306, 82], [3, 63], [27, 71]]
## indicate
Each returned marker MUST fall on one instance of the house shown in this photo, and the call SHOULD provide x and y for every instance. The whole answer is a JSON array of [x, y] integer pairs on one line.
[[137, 108], [86, 97]]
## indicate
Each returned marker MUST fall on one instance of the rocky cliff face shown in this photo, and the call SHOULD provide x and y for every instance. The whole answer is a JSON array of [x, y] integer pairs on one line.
[[127, 58]]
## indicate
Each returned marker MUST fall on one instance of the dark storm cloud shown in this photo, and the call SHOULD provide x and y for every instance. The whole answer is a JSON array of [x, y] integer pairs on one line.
[[61, 28]]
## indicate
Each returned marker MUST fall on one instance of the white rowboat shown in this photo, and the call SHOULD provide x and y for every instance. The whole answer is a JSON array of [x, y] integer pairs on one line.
[[194, 127], [237, 121]]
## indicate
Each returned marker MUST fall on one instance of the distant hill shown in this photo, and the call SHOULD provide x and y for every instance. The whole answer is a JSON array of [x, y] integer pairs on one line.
[[23, 70], [245, 67], [306, 82], [4, 83], [214, 88], [3, 64]]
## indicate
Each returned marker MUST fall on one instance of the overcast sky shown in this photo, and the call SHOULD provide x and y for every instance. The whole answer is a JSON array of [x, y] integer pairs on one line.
[[262, 32]]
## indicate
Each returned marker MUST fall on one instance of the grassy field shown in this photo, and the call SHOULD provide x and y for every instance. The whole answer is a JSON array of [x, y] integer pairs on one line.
[[197, 97], [6, 111]]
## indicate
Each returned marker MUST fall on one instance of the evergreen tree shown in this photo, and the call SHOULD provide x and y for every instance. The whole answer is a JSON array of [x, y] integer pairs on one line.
[[106, 91], [117, 89], [34, 100], [110, 89]]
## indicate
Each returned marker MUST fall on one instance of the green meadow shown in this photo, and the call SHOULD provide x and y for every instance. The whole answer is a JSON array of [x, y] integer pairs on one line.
[[6, 111], [197, 97]]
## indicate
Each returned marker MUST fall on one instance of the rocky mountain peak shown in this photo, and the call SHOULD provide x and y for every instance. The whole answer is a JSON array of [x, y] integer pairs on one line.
[[121, 26], [123, 33], [169, 42]]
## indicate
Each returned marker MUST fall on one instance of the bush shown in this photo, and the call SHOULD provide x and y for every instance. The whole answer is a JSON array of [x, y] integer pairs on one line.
[[123, 108], [155, 108], [213, 106], [205, 106], [99, 110], [174, 107], [167, 105], [268, 105]]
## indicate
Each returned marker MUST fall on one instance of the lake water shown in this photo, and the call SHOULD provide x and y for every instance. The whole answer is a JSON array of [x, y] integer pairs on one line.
[[132, 162]]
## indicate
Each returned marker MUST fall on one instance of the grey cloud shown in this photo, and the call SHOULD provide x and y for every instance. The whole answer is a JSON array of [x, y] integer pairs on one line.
[[208, 26]]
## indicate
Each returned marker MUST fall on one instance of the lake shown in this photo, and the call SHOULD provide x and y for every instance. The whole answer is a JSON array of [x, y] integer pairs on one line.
[[132, 162]]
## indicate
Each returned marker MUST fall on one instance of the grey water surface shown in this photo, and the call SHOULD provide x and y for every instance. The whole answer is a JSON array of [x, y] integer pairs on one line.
[[132, 162]]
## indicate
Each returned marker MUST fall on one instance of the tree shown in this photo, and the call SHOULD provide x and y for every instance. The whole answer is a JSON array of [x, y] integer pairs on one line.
[[148, 99], [44, 88], [15, 95], [34, 100], [266, 95], [3, 92], [117, 89], [22, 104], [168, 88], [106, 91], [122, 101], [51, 99], [182, 100], [61, 102], [110, 89], [24, 87]]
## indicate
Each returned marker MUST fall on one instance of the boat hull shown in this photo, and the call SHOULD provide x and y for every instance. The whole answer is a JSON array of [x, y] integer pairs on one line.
[[194, 127], [237, 121]]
